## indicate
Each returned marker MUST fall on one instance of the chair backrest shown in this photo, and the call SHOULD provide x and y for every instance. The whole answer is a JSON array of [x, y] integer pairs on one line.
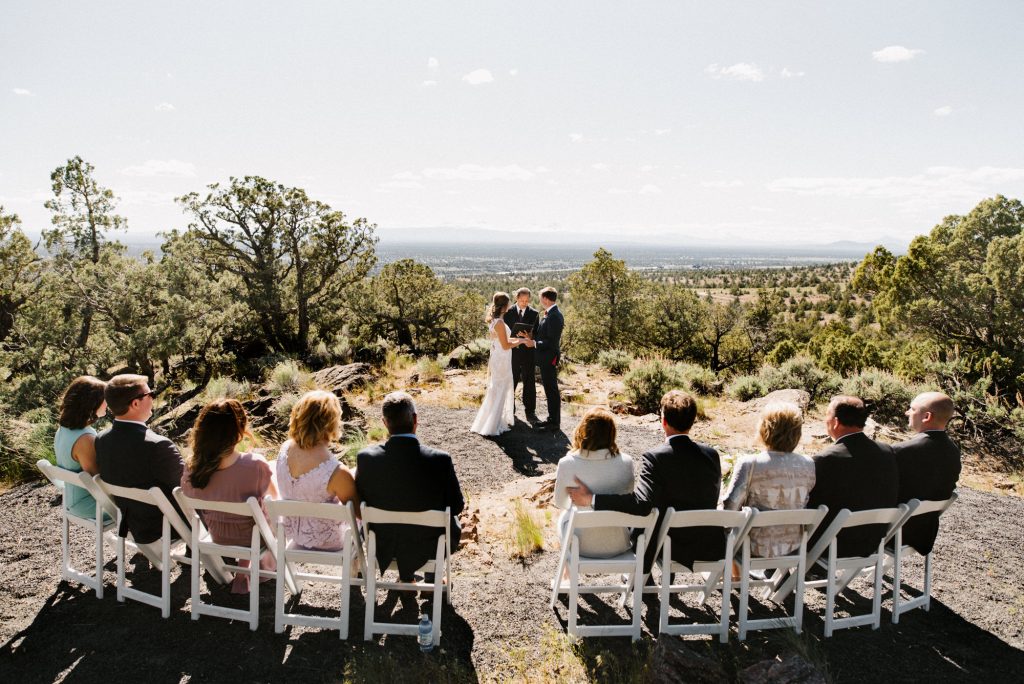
[[845, 518], [585, 519], [371, 515], [153, 496], [918, 507], [810, 517], [283, 508], [736, 522], [250, 508]]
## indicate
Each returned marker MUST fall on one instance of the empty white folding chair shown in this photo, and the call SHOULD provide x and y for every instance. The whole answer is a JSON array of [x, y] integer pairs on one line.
[[262, 538], [440, 566], [716, 574], [900, 606], [289, 553], [91, 520], [160, 553], [629, 563], [840, 571], [807, 520]]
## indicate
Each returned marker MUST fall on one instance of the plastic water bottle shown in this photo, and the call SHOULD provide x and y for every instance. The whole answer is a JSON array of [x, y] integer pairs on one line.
[[426, 634]]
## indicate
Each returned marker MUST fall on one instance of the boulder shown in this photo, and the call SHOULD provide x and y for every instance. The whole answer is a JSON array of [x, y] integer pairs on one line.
[[793, 396], [178, 420], [544, 494], [792, 669], [673, 661], [340, 379]]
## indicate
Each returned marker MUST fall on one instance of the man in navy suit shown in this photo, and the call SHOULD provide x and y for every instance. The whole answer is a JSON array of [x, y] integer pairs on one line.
[[403, 475], [129, 454], [524, 358], [547, 342], [680, 474]]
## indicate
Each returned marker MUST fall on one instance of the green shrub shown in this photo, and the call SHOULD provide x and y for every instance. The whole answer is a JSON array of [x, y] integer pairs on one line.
[[226, 388], [615, 361], [699, 379], [470, 355], [647, 384], [282, 408], [23, 441], [430, 370], [782, 352], [801, 372], [888, 396], [745, 388], [289, 377]]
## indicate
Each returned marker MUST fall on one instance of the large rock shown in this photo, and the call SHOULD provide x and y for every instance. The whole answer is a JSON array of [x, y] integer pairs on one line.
[[179, 420], [339, 379], [673, 661], [789, 670], [793, 396]]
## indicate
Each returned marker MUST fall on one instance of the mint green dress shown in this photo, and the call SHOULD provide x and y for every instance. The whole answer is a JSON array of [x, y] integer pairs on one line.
[[78, 501]]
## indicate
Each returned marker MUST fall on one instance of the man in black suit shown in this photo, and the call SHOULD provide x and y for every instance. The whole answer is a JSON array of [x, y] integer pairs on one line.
[[129, 454], [403, 475], [680, 474], [856, 472], [547, 342], [929, 465], [523, 358]]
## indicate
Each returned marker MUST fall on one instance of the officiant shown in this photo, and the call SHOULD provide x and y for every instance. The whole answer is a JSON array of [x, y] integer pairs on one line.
[[522, 321]]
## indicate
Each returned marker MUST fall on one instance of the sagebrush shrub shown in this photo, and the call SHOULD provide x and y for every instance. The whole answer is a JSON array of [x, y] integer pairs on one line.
[[699, 379], [888, 397], [289, 376], [647, 384], [430, 370], [801, 372], [226, 388], [615, 361], [745, 388]]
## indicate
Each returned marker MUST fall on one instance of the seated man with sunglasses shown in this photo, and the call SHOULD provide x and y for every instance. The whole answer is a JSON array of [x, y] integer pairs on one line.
[[129, 454]]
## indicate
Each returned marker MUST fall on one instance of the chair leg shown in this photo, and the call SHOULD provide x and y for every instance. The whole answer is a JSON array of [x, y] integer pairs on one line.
[[439, 561], [723, 634], [744, 609], [346, 585], [877, 602], [65, 551], [197, 562], [830, 590], [927, 582], [371, 587], [99, 557], [638, 590], [896, 563], [254, 584], [120, 567], [574, 586], [165, 571]]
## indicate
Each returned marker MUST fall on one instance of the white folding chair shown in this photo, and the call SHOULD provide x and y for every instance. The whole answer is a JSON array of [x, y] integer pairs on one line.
[[289, 553], [629, 563], [440, 566], [160, 553], [91, 519], [896, 553], [840, 571], [717, 574], [204, 547], [807, 520]]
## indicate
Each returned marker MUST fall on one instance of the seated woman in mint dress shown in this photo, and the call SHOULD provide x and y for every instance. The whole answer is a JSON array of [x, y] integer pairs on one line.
[[74, 444], [217, 471]]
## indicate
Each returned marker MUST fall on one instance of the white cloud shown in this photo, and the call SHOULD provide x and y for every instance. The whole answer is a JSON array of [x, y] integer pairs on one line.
[[787, 73], [164, 107], [943, 111], [513, 72], [476, 172], [650, 190], [161, 167], [662, 131], [478, 77], [895, 53], [741, 71], [400, 185], [428, 84], [722, 184], [432, 63], [938, 187], [619, 191], [576, 137], [148, 198], [600, 166], [647, 168], [406, 175], [23, 92]]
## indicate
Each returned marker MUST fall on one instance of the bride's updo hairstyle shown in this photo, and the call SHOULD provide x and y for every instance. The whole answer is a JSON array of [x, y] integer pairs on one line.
[[498, 304]]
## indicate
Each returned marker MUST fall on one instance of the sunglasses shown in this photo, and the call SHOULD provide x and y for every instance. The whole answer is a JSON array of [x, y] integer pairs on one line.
[[151, 393]]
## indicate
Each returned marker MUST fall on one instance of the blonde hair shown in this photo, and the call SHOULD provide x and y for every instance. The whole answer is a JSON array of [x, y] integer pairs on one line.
[[315, 419], [596, 431], [780, 426]]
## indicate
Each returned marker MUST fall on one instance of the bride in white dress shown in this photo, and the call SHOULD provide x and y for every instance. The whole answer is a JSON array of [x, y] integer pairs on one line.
[[496, 413]]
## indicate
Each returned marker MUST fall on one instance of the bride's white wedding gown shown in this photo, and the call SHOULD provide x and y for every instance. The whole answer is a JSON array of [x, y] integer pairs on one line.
[[495, 414]]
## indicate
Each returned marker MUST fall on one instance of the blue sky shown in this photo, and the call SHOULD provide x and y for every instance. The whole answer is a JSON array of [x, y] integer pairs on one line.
[[670, 121]]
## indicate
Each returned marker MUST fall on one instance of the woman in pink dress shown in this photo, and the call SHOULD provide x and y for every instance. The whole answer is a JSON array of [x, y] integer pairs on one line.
[[307, 470], [216, 471]]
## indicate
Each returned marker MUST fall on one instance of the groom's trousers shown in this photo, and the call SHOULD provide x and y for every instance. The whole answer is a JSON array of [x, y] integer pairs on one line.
[[549, 378], [523, 365]]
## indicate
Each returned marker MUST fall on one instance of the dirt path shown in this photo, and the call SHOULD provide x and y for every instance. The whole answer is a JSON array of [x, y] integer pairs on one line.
[[499, 625]]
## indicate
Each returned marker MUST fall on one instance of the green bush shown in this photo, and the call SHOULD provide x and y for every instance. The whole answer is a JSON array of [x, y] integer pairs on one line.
[[699, 379], [430, 370], [745, 388], [647, 384], [782, 352], [801, 372], [227, 388], [887, 396], [289, 376], [470, 355], [615, 361], [23, 441], [282, 408]]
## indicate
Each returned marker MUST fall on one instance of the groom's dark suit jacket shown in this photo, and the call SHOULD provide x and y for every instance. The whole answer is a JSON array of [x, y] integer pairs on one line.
[[403, 475], [549, 338], [132, 455], [529, 317]]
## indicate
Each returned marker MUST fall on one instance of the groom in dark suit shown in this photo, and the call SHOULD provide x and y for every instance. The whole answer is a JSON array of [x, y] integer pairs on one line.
[[524, 358], [547, 342]]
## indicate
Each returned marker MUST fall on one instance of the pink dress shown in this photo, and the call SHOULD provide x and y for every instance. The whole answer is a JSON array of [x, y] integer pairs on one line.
[[248, 476], [310, 533]]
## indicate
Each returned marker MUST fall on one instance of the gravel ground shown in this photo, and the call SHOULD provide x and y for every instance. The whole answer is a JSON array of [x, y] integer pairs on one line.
[[499, 622]]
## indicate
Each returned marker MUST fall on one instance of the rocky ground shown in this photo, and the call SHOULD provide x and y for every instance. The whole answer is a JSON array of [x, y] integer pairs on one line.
[[499, 625]]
